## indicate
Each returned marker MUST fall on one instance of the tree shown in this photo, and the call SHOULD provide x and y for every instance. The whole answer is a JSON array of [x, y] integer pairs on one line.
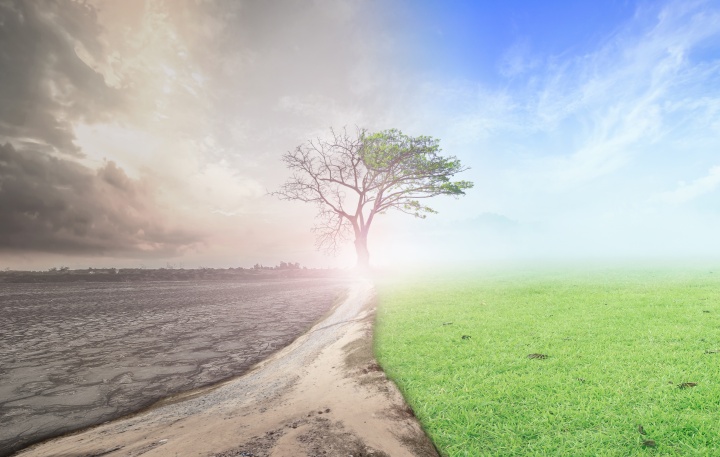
[[352, 179]]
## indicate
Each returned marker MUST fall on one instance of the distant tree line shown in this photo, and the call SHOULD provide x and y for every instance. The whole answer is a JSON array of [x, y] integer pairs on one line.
[[65, 274], [282, 266]]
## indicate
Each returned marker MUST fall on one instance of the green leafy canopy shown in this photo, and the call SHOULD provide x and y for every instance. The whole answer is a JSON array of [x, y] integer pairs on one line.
[[408, 168]]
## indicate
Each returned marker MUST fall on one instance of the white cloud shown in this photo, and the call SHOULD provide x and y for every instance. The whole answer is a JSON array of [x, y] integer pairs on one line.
[[594, 116], [687, 192], [518, 59]]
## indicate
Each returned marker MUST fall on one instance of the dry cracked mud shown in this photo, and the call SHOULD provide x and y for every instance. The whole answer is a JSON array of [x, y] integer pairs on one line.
[[78, 354]]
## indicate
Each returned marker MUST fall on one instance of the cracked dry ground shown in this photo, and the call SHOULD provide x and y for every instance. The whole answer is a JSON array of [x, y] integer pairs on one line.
[[78, 354]]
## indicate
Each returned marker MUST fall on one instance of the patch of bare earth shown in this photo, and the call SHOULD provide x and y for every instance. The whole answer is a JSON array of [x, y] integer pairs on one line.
[[324, 395]]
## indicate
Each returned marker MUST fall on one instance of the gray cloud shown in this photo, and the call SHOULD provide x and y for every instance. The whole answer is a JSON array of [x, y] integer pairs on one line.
[[45, 84], [51, 204], [198, 98], [283, 70]]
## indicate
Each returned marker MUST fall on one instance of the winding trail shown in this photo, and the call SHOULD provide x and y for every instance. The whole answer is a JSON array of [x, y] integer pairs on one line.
[[321, 395]]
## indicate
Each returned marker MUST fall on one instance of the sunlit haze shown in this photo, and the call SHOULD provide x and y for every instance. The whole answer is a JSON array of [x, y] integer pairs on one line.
[[149, 133]]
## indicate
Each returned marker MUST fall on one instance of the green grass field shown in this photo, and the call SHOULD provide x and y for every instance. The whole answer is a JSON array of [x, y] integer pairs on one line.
[[619, 346]]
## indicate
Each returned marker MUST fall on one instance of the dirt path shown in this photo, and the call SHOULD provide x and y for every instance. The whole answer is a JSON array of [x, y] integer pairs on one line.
[[322, 395]]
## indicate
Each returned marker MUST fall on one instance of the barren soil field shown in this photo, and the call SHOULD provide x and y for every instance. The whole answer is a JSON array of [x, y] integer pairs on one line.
[[78, 354]]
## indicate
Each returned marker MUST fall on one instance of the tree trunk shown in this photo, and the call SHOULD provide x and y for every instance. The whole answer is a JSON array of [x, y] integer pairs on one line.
[[363, 256]]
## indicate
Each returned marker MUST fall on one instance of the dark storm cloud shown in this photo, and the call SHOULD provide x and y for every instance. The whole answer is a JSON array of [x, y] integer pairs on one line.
[[49, 204], [44, 84], [48, 201]]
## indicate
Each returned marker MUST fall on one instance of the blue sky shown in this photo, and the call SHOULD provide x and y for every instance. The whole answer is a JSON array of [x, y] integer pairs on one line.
[[592, 129], [482, 40]]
